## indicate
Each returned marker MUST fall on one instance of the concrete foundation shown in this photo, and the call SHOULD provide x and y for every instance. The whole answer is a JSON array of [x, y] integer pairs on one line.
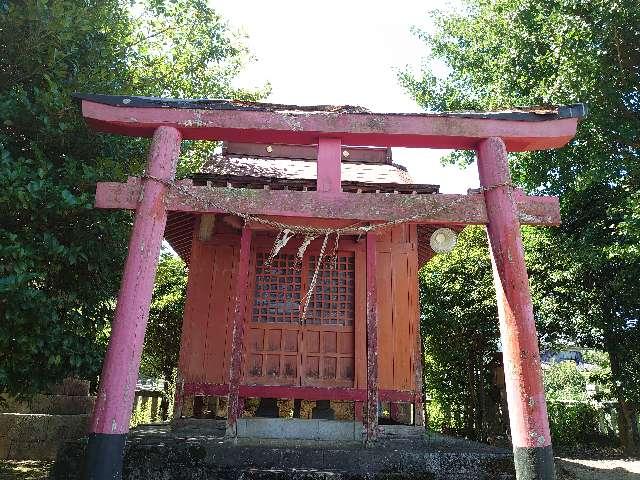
[[297, 429]]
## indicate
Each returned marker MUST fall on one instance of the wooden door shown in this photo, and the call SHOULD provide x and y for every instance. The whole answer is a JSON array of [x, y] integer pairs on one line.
[[283, 349]]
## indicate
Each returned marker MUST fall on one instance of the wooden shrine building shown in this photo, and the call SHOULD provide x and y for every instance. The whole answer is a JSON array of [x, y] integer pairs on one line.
[[303, 241], [322, 356]]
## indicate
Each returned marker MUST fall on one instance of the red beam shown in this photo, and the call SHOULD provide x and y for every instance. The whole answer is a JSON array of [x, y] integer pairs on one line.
[[371, 417], [238, 331], [371, 207], [372, 129], [304, 393]]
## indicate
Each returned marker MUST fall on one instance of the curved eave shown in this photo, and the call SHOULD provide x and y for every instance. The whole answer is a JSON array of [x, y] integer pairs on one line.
[[528, 131]]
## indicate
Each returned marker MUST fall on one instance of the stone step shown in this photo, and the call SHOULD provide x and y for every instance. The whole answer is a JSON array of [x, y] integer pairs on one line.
[[183, 458]]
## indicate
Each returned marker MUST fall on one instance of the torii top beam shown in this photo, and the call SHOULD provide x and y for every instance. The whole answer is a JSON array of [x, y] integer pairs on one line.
[[521, 130]]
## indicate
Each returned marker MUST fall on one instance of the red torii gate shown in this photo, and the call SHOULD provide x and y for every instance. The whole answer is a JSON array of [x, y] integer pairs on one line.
[[499, 206]]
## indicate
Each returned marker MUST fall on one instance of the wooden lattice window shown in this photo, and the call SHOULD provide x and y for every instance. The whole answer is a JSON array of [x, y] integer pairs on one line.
[[278, 290], [332, 301]]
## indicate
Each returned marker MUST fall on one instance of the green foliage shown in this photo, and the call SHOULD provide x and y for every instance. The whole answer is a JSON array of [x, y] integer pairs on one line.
[[573, 423], [505, 53], [459, 328], [563, 381], [162, 340], [60, 259]]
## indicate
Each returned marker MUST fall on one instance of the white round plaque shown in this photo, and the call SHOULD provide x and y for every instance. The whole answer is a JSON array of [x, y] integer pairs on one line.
[[443, 240]]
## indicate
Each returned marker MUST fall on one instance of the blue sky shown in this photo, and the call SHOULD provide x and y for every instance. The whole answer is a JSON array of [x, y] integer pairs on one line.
[[342, 52]]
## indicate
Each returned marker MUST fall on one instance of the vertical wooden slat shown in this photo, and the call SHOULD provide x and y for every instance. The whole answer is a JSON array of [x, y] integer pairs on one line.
[[385, 325], [242, 281], [372, 340], [329, 165], [414, 310], [360, 322], [201, 310], [230, 302], [402, 338], [187, 318], [217, 316]]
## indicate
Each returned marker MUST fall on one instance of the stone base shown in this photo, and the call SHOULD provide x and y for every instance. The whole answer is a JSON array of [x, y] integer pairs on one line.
[[38, 436], [297, 429], [199, 450]]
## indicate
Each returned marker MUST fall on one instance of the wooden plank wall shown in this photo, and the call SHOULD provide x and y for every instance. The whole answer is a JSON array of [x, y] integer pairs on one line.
[[397, 308], [207, 312], [206, 338]]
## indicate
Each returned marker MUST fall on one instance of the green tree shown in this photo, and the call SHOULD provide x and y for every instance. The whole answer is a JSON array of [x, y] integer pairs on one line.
[[61, 259], [501, 53], [563, 381], [162, 340], [459, 327]]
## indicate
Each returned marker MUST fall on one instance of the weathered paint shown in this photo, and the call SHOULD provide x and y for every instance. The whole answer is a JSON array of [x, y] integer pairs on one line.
[[237, 341], [307, 152], [207, 223], [397, 295], [329, 170], [523, 375], [120, 369], [372, 341], [424, 209], [304, 393], [304, 128], [114, 402]]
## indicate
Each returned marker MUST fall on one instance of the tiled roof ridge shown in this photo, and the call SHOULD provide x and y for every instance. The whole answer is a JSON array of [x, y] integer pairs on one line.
[[289, 168]]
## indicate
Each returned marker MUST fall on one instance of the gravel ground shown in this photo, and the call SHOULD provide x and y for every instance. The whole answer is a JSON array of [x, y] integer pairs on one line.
[[24, 469], [601, 469]]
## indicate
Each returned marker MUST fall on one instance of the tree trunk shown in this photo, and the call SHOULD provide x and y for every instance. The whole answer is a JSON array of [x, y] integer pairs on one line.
[[626, 411]]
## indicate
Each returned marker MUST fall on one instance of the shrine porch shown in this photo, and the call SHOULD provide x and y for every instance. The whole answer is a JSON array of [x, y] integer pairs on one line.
[[196, 449]]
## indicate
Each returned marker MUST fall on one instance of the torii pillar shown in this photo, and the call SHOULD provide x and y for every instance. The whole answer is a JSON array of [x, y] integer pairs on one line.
[[533, 454], [112, 412]]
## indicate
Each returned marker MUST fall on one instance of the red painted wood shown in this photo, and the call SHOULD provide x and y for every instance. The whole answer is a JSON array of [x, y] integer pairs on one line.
[[304, 393], [235, 373], [523, 376], [360, 326], [218, 314], [397, 396], [329, 158], [114, 402], [372, 340], [402, 338], [372, 129], [437, 208], [307, 152], [208, 389]]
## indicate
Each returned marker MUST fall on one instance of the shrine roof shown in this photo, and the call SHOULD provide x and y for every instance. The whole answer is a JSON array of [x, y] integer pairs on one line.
[[294, 167], [521, 129]]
